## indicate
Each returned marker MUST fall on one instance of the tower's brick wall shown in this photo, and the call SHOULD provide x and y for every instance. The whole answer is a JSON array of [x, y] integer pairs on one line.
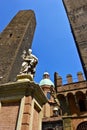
[[16, 38], [77, 14]]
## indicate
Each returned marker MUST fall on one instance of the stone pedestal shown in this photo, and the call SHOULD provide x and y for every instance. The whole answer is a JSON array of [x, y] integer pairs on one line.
[[21, 105], [24, 77]]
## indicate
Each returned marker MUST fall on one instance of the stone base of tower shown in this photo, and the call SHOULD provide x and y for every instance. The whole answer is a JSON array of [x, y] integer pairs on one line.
[[21, 106]]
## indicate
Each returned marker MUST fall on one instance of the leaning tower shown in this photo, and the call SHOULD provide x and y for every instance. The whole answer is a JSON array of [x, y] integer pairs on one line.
[[77, 14], [14, 39]]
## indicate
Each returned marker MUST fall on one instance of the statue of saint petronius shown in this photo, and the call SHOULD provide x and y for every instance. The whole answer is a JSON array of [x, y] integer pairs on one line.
[[29, 63]]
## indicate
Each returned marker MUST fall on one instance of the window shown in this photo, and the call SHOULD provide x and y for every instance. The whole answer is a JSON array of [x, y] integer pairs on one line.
[[82, 126], [48, 95], [10, 35]]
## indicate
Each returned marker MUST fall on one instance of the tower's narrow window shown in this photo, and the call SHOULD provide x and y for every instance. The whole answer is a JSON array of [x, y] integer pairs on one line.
[[10, 35]]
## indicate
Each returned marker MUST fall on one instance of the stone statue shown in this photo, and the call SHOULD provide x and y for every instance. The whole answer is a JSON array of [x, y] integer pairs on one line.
[[29, 63]]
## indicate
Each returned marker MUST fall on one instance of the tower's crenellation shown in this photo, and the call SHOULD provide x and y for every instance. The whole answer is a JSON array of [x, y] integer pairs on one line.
[[69, 78]]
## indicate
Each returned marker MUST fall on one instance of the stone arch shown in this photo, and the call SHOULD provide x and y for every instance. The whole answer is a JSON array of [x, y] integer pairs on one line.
[[79, 93], [50, 128], [69, 93], [82, 126], [81, 98], [63, 104], [72, 104]]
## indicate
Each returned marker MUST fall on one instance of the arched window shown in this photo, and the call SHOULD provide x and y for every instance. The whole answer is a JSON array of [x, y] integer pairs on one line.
[[48, 95], [82, 126], [10, 35]]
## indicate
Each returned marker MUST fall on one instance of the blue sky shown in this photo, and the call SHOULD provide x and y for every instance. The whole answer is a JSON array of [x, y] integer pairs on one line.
[[53, 42]]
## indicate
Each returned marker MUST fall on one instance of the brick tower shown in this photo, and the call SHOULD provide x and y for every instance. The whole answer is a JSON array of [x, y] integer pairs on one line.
[[77, 14], [15, 38], [21, 100]]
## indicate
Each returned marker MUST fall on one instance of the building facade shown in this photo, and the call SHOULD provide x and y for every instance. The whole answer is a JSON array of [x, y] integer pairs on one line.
[[73, 101], [67, 104]]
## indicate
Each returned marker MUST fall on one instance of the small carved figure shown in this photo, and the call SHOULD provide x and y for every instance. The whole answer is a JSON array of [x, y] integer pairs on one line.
[[29, 63]]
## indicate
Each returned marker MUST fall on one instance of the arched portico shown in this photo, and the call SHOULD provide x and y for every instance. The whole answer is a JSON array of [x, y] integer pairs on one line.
[[82, 126]]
